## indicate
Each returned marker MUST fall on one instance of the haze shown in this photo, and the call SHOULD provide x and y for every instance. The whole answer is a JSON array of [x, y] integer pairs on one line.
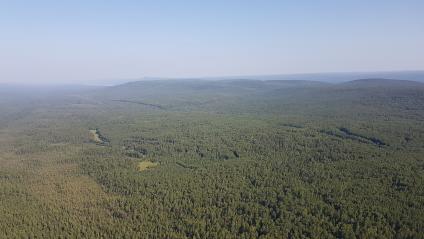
[[95, 41]]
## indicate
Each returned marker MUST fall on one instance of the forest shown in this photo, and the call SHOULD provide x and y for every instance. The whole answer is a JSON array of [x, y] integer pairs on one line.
[[214, 159]]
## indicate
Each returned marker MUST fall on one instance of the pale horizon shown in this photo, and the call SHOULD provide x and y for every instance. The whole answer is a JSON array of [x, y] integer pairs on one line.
[[47, 42]]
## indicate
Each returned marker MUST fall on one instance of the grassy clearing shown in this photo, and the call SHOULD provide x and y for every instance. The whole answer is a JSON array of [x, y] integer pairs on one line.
[[146, 165], [94, 135]]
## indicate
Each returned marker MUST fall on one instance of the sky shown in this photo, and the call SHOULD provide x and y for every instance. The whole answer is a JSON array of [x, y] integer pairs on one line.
[[98, 41]]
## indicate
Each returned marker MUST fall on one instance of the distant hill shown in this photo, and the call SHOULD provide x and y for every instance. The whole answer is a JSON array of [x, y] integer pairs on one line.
[[331, 77], [339, 76], [242, 95], [383, 83]]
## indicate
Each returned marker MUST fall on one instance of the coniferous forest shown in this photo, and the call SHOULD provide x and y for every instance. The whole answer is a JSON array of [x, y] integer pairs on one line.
[[214, 159]]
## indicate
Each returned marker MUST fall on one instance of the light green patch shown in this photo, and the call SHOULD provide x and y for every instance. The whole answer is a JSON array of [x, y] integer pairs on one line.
[[94, 135], [146, 165]]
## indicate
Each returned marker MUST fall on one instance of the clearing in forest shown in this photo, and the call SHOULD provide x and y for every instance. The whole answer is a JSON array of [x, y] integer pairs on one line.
[[146, 165], [95, 136]]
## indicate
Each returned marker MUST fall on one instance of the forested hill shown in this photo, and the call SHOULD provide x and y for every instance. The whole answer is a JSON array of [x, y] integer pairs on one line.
[[254, 96], [382, 83], [157, 89]]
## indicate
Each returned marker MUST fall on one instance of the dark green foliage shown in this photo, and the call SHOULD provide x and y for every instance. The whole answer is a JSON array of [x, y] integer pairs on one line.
[[236, 159]]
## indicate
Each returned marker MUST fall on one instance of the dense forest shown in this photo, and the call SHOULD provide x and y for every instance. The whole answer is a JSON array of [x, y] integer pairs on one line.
[[214, 159]]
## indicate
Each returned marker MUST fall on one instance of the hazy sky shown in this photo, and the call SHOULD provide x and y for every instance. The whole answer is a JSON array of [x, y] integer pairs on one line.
[[90, 41]]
